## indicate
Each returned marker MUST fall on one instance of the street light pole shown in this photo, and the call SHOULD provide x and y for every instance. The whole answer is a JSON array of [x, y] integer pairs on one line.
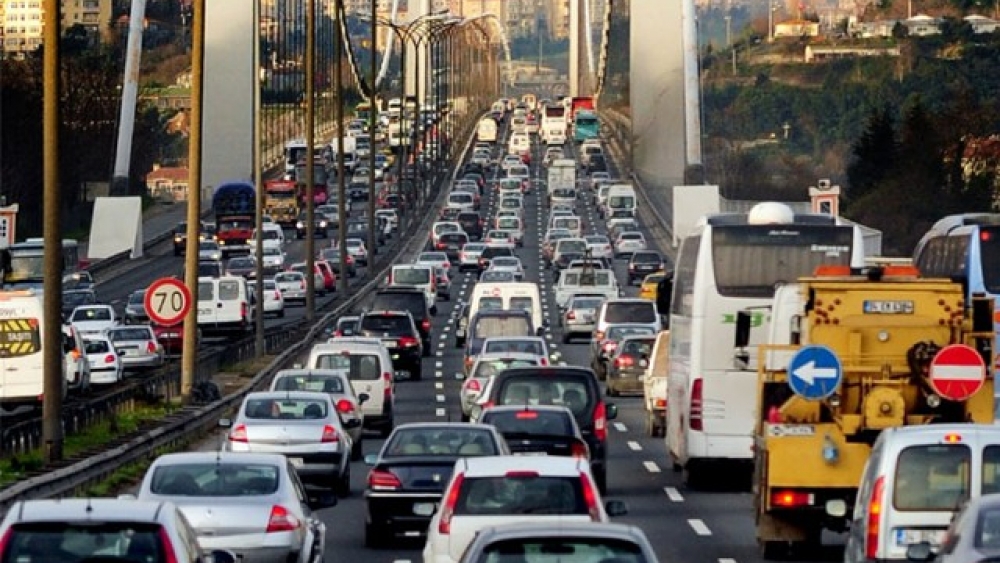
[[373, 111], [338, 88], [258, 181], [310, 127]]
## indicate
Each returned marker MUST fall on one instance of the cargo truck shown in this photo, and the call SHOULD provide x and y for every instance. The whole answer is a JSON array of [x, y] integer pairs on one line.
[[562, 174]]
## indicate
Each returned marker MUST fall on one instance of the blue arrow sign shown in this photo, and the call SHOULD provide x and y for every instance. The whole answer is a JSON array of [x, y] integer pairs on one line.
[[814, 372]]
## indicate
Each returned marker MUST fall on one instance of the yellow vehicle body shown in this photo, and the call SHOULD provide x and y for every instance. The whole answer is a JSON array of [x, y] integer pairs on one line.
[[885, 329], [648, 289]]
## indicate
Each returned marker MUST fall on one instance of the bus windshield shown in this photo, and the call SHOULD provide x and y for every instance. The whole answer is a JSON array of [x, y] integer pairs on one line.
[[749, 260], [26, 267]]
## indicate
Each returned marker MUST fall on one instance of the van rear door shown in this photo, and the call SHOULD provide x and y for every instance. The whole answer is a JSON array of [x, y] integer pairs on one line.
[[207, 305]]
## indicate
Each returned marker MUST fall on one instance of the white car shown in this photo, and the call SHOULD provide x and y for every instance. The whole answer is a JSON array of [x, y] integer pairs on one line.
[[105, 365], [508, 263], [509, 161], [494, 490], [433, 259], [93, 319], [391, 217], [292, 286], [274, 301], [274, 257], [210, 251], [499, 238], [137, 346], [599, 246], [628, 243], [442, 227]]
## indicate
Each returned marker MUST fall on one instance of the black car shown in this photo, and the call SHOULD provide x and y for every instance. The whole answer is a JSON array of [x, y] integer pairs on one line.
[[575, 388], [409, 475], [451, 244], [597, 164], [358, 228], [135, 308], [180, 236], [319, 225], [74, 298], [400, 336], [643, 263], [243, 266], [347, 326], [357, 191], [407, 299], [78, 280], [547, 429], [472, 224], [491, 252]]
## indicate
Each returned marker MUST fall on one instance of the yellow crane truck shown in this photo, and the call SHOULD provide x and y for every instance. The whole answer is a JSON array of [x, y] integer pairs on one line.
[[850, 353]]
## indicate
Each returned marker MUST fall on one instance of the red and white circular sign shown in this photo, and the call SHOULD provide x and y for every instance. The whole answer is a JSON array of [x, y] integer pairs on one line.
[[957, 372], [167, 301]]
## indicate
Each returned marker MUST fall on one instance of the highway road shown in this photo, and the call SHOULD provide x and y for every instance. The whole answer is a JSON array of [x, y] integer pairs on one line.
[[683, 525]]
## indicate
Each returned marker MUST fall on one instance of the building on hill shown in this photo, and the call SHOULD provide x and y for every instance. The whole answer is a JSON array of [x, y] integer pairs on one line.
[[22, 22]]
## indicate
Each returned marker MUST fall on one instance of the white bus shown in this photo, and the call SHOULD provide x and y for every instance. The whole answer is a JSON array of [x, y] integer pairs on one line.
[[729, 263]]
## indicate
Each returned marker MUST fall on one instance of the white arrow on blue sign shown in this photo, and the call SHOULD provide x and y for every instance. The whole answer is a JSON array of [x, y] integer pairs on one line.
[[814, 372]]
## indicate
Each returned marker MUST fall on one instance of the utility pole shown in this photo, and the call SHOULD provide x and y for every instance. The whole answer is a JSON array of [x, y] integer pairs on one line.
[[130, 92], [260, 347], [52, 363], [372, 113], [189, 352], [310, 159], [338, 110]]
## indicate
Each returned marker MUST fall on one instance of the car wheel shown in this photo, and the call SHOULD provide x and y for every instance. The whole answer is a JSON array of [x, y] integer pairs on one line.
[[342, 486], [567, 337]]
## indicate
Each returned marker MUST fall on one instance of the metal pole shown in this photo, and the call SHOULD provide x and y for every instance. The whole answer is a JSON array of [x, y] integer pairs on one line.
[[310, 159], [130, 92], [402, 129], [54, 379], [338, 89], [373, 102], [258, 181], [189, 352]]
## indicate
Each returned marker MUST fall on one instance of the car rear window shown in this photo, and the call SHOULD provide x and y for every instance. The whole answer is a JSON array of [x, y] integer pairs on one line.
[[646, 258], [620, 332], [385, 324], [284, 277], [432, 440], [42, 542], [630, 313], [488, 327], [932, 477], [319, 383], [567, 246], [491, 303], [491, 367], [229, 290], [358, 366], [411, 276], [570, 391], [560, 549], [96, 347], [126, 334], [527, 494], [215, 480], [528, 421], [413, 302], [638, 347], [285, 409], [522, 304]]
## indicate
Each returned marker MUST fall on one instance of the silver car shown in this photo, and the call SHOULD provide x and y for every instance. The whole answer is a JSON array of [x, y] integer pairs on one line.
[[488, 365], [137, 346], [292, 286], [974, 535], [303, 426], [510, 264], [580, 316], [250, 504], [468, 257], [603, 540], [336, 384], [209, 250]]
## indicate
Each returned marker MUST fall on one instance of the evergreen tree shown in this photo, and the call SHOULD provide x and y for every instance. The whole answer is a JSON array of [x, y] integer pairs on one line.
[[876, 154]]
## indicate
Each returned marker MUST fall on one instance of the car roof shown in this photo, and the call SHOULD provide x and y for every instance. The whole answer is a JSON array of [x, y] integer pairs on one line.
[[498, 466], [221, 457], [314, 372], [347, 342], [562, 529], [80, 509], [540, 408], [526, 356], [448, 425]]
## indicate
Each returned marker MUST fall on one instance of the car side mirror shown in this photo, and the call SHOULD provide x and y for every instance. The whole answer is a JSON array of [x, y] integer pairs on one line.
[[540, 331], [610, 411], [371, 459], [919, 552], [616, 508], [322, 500], [225, 423], [363, 398]]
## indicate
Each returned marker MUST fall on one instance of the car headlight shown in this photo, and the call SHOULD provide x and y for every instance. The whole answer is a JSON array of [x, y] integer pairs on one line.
[[299, 225], [322, 224]]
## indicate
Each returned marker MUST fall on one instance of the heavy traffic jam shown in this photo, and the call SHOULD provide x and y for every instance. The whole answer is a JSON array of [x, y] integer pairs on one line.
[[515, 388]]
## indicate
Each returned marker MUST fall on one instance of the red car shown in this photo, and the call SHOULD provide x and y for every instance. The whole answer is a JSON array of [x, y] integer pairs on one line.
[[329, 277], [171, 338]]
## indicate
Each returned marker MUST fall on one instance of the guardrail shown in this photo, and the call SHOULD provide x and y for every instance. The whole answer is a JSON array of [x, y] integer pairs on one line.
[[195, 422]]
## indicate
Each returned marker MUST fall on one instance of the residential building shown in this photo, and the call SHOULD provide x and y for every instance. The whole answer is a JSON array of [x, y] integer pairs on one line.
[[22, 22]]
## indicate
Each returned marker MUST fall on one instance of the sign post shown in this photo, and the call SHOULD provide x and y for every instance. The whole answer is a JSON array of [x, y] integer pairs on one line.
[[167, 301], [957, 372]]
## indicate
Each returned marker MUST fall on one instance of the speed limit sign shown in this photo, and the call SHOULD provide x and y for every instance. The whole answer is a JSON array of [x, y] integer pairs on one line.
[[167, 301]]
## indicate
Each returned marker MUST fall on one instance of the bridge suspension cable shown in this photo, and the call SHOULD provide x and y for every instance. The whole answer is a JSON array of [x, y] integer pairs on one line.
[[602, 63]]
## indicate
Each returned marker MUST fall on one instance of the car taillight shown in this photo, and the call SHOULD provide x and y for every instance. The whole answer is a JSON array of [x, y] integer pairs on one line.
[[543, 361], [624, 362], [590, 497], [600, 421], [580, 450], [571, 315], [382, 480], [344, 406], [473, 385], [874, 518], [329, 434], [387, 387], [277, 296], [446, 265], [169, 555], [109, 359], [302, 284], [441, 246], [281, 520], [695, 416], [408, 342], [238, 433], [425, 324], [151, 347], [448, 510]]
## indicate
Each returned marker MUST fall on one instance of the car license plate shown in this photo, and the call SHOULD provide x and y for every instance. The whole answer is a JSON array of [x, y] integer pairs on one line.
[[389, 343], [424, 508], [296, 461], [204, 311], [906, 537], [532, 453]]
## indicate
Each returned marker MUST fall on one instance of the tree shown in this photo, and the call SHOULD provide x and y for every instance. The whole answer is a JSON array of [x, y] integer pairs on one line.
[[876, 154]]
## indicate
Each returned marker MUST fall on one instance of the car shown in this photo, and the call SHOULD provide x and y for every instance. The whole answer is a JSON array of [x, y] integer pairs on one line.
[[135, 308], [472, 223], [443, 283], [78, 281], [274, 258], [441, 227], [490, 491], [253, 505], [180, 236], [292, 286], [643, 263], [468, 257], [602, 349], [627, 366], [535, 345], [490, 252], [599, 246], [172, 338], [73, 298], [508, 263], [332, 257], [336, 384], [93, 319], [368, 366], [329, 275], [274, 301], [649, 287], [137, 346], [498, 276], [407, 299], [409, 474], [357, 249], [485, 367], [433, 259], [105, 365], [391, 217], [486, 323], [321, 279], [580, 316], [330, 212], [973, 535], [496, 237], [102, 529], [451, 244], [304, 426], [320, 225], [399, 335], [538, 429], [628, 243], [346, 327], [244, 266], [209, 250]]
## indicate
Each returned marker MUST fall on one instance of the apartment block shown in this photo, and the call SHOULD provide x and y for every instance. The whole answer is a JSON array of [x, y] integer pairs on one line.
[[22, 22]]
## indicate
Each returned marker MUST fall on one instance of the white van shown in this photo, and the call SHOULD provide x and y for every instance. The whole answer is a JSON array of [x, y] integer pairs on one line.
[[273, 234], [508, 296], [487, 130], [621, 199], [420, 277], [519, 143], [22, 328], [571, 223], [916, 479], [368, 367], [462, 200], [224, 305], [589, 281]]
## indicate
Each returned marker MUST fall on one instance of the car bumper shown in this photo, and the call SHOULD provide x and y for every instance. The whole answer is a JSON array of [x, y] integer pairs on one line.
[[273, 306], [625, 381], [577, 327], [103, 376], [143, 361], [399, 511], [247, 549], [297, 295]]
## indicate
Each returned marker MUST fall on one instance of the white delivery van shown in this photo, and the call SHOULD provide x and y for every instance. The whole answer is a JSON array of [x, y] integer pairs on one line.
[[420, 277], [487, 130], [224, 306], [621, 199], [368, 366], [520, 143], [22, 328], [507, 296]]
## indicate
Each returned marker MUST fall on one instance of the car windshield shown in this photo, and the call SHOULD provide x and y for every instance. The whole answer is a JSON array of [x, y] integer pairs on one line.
[[285, 409], [528, 494], [55, 541], [560, 550], [136, 297], [450, 441], [92, 314], [553, 389], [130, 334], [215, 479], [631, 312]]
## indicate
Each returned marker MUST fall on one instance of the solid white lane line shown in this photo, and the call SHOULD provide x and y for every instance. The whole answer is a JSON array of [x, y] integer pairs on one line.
[[699, 527], [651, 466], [673, 494], [634, 446], [621, 427]]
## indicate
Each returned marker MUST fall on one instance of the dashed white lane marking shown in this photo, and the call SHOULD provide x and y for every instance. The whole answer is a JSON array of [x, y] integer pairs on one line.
[[439, 364], [438, 373], [634, 446], [439, 353], [441, 344], [439, 412], [446, 328], [726, 560], [440, 398], [673, 494], [438, 384], [621, 427], [651, 466], [699, 527]]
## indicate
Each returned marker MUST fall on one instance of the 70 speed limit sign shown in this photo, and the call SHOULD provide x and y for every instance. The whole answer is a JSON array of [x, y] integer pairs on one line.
[[167, 301]]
